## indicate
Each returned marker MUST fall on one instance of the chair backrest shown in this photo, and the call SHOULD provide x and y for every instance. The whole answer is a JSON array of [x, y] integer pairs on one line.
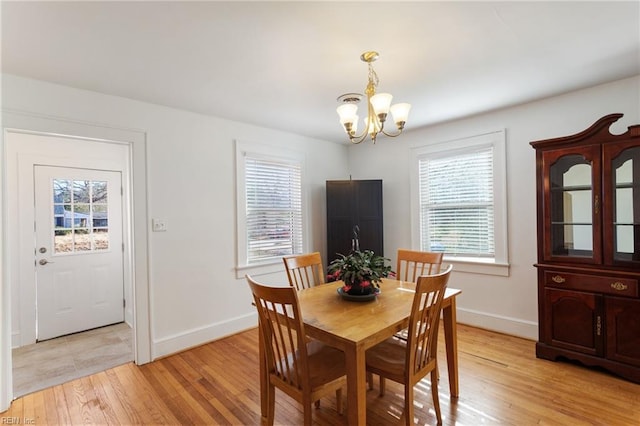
[[411, 264], [283, 333], [304, 270], [422, 337]]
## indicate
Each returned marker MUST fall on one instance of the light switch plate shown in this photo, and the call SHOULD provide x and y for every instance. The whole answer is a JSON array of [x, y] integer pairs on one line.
[[159, 225]]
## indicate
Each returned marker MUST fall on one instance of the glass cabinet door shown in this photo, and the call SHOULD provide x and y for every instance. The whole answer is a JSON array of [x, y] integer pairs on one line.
[[573, 206], [622, 224]]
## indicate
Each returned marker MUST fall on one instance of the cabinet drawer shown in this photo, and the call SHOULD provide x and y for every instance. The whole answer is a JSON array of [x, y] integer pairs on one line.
[[593, 283]]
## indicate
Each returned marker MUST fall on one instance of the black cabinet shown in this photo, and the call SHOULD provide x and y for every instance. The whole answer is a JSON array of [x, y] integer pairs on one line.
[[354, 205]]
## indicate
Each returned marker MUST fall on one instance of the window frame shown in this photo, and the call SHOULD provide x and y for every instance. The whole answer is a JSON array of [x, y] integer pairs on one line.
[[278, 154], [499, 265]]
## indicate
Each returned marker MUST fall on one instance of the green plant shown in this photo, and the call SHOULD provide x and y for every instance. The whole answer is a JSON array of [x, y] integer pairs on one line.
[[361, 271]]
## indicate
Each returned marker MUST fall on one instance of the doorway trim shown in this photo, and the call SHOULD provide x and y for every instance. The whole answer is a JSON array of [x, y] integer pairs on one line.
[[135, 140]]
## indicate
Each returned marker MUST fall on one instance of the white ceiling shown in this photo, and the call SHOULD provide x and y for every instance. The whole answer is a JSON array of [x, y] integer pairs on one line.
[[283, 64]]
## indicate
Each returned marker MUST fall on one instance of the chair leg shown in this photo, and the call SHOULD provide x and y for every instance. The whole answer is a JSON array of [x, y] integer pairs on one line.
[[434, 395], [271, 408], [408, 404], [317, 403], [339, 401], [370, 380], [307, 415], [383, 386]]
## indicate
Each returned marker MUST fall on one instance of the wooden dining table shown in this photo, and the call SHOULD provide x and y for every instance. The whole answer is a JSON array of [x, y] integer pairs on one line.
[[354, 327]]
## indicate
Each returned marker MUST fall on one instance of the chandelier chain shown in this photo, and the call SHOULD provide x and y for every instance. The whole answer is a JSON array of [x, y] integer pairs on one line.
[[373, 76]]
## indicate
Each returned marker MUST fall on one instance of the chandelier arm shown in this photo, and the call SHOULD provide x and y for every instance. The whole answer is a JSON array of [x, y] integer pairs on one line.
[[356, 139], [392, 135]]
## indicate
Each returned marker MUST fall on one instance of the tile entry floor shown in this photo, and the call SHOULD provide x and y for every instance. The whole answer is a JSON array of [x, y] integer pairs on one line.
[[52, 362]]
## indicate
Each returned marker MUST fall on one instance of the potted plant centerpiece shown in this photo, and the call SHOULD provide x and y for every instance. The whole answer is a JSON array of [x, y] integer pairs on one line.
[[361, 272]]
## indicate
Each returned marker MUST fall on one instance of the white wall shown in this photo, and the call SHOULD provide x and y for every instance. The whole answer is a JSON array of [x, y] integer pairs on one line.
[[194, 293], [506, 304]]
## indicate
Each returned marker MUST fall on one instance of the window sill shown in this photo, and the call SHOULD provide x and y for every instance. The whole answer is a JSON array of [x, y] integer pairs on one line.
[[260, 269], [477, 266]]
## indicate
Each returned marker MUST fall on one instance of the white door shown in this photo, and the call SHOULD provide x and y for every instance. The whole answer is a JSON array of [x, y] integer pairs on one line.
[[78, 249]]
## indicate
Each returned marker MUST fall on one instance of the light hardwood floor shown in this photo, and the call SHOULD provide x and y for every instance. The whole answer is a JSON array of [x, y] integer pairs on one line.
[[501, 383]]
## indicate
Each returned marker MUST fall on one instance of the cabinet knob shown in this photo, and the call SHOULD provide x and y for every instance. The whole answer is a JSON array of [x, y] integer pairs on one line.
[[558, 279], [619, 286]]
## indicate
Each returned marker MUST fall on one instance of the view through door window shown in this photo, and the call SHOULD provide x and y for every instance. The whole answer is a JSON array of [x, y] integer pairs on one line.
[[80, 214]]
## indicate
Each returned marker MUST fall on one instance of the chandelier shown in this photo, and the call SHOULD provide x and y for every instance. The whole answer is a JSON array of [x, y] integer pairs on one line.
[[378, 107]]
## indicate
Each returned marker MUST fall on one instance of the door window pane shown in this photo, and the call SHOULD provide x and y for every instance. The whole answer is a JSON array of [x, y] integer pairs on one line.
[[82, 240], [101, 239], [63, 241], [80, 216], [61, 191], [81, 191], [99, 194]]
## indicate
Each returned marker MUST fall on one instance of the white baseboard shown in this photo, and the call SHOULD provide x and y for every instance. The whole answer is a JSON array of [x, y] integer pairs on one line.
[[507, 325], [199, 336], [195, 337]]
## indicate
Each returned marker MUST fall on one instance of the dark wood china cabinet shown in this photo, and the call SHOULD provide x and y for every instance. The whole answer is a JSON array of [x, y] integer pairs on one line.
[[588, 204]]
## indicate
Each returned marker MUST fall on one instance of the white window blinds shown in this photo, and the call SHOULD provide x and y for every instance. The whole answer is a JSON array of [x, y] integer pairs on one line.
[[273, 209], [457, 203]]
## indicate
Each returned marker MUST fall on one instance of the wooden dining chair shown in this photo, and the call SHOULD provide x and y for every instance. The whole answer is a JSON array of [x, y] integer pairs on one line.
[[411, 264], [304, 270], [304, 369], [407, 363]]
